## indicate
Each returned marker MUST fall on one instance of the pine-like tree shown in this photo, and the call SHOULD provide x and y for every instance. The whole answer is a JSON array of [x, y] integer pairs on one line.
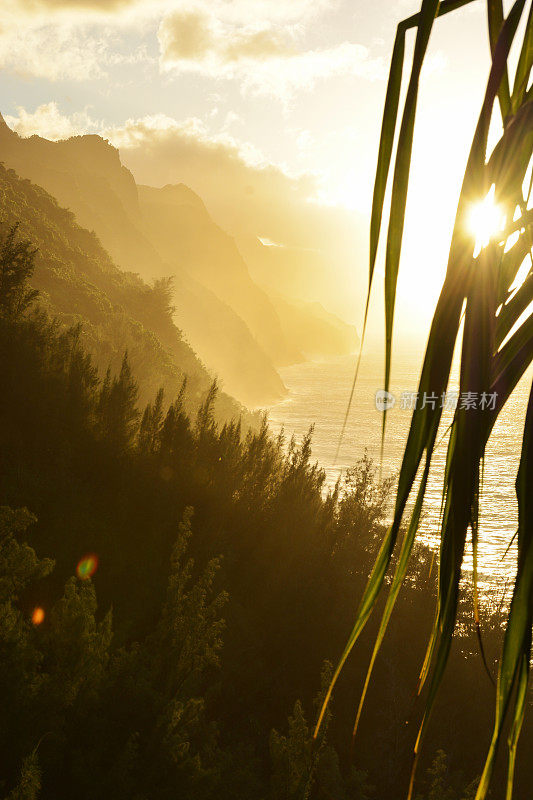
[[17, 259], [118, 408]]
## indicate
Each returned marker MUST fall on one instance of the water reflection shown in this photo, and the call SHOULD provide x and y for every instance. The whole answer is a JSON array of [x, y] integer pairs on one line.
[[318, 395]]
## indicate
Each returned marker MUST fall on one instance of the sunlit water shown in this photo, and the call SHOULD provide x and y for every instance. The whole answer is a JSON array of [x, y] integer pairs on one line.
[[318, 394]]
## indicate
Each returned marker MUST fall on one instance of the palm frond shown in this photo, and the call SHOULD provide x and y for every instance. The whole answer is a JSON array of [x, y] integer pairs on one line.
[[480, 290]]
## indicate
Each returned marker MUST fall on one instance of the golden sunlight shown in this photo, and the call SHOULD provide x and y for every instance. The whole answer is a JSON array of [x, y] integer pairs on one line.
[[486, 220]]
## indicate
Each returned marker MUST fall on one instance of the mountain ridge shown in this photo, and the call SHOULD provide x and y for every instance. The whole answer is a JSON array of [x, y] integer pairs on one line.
[[79, 283], [230, 321], [95, 201]]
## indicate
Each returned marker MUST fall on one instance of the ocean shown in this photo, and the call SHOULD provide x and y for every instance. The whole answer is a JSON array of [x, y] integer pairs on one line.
[[318, 396]]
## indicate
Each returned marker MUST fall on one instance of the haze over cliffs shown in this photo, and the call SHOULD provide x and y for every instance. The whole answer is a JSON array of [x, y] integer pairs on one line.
[[79, 284], [241, 331]]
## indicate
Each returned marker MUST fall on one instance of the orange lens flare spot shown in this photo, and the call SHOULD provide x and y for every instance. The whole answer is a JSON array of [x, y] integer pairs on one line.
[[87, 567], [38, 616]]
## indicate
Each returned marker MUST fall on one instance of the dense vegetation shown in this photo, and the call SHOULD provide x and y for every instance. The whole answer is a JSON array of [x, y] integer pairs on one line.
[[79, 283], [226, 579]]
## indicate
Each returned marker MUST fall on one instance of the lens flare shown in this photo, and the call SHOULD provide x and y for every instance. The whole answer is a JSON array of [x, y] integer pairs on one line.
[[87, 567], [38, 615], [487, 219]]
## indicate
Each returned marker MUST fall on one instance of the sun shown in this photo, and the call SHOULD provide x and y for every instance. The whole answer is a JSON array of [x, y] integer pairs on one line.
[[486, 220]]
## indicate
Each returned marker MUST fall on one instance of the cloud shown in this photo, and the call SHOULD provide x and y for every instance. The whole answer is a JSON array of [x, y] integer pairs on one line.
[[222, 169], [71, 39], [263, 55], [51, 52], [237, 10], [252, 198], [248, 195], [199, 40], [282, 77], [258, 43], [48, 122], [38, 6], [160, 149], [56, 43]]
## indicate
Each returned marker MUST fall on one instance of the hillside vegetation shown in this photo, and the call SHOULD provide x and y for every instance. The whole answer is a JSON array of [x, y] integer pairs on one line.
[[170, 587], [231, 322], [80, 285]]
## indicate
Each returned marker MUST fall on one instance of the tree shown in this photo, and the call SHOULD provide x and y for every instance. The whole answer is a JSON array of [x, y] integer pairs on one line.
[[438, 774], [161, 298], [175, 436], [118, 407], [497, 348], [17, 259], [133, 715], [147, 700], [20, 659], [151, 424], [304, 767], [442, 786], [29, 786], [153, 702]]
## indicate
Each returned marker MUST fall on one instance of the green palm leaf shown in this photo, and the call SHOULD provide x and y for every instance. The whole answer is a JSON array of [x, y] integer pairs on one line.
[[496, 350]]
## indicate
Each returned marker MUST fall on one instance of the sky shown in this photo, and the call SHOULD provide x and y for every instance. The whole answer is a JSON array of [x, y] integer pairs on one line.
[[269, 109]]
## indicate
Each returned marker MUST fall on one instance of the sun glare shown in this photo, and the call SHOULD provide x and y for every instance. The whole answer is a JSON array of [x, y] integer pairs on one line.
[[486, 221]]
